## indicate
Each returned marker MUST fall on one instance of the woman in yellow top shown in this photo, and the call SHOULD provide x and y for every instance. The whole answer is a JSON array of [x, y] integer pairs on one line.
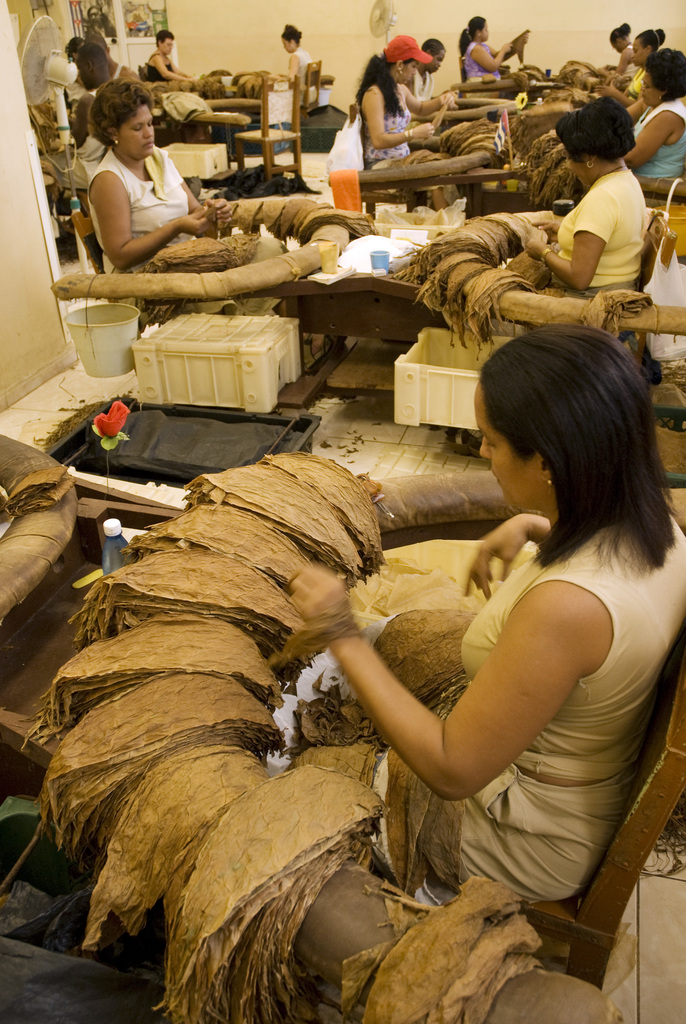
[[598, 245], [644, 44]]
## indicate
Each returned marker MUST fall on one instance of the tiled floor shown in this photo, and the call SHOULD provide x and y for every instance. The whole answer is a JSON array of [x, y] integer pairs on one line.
[[646, 975]]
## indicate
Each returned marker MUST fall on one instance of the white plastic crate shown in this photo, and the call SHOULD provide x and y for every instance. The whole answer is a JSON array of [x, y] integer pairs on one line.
[[198, 160], [226, 361], [435, 381]]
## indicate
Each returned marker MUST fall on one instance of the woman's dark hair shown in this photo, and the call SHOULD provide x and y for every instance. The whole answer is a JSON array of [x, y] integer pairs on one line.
[[163, 34], [378, 72], [620, 33], [602, 128], [115, 102], [575, 396], [73, 46], [433, 46], [291, 34], [652, 37], [474, 25], [667, 69]]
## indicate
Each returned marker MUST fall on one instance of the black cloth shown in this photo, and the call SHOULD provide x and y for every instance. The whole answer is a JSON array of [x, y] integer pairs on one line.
[[251, 184], [153, 75]]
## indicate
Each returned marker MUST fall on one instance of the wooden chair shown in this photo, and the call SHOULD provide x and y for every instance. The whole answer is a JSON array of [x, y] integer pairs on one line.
[[589, 922], [280, 104], [311, 86], [83, 226]]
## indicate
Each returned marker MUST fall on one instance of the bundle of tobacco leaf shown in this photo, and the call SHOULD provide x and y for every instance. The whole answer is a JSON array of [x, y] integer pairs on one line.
[[291, 505], [346, 493], [451, 963], [38, 491], [472, 137], [517, 46], [550, 177], [575, 97], [157, 646], [606, 309], [232, 929], [231, 531], [582, 75], [203, 255], [99, 765], [297, 217], [199, 582], [248, 84], [356, 760], [332, 721], [530, 124], [460, 274], [190, 788], [533, 271]]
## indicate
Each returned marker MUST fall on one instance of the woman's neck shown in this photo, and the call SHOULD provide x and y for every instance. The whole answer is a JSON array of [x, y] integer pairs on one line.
[[605, 167], [136, 167]]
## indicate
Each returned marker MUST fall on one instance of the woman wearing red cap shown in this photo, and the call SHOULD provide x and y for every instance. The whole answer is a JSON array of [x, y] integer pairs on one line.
[[387, 103]]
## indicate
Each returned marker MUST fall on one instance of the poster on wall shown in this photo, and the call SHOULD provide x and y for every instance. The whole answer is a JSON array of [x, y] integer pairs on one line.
[[97, 17], [144, 19]]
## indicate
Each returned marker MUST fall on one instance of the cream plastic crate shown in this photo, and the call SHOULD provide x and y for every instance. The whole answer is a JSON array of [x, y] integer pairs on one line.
[[226, 361], [197, 160], [435, 381]]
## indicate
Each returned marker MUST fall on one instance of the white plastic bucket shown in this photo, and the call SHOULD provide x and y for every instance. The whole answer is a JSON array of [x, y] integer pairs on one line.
[[103, 335]]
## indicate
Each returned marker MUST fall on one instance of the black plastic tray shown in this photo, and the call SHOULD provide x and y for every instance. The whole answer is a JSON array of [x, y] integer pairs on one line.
[[72, 450]]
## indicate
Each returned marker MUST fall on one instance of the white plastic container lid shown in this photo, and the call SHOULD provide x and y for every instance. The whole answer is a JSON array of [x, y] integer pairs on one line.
[[111, 527]]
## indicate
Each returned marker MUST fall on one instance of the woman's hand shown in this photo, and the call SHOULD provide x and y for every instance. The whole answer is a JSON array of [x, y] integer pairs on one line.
[[423, 131], [218, 211], [505, 543], [536, 246], [316, 590], [195, 223], [448, 100]]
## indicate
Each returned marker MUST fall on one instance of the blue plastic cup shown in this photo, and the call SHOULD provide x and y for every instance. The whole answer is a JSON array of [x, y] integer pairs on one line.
[[548, 72], [380, 260]]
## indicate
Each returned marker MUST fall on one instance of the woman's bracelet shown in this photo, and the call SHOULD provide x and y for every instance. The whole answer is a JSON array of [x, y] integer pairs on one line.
[[545, 253], [408, 134]]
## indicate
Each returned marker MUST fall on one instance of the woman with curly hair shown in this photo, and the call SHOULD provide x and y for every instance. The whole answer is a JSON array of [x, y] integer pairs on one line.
[[659, 117], [598, 245], [139, 201]]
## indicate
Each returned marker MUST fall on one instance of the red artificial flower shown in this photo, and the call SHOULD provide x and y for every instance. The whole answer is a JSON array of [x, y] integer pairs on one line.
[[109, 424]]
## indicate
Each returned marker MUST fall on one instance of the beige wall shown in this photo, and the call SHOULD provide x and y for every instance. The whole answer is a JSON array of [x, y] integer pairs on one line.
[[32, 344], [239, 37]]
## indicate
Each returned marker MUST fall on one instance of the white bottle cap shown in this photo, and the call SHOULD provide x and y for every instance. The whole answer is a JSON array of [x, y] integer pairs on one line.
[[111, 527]]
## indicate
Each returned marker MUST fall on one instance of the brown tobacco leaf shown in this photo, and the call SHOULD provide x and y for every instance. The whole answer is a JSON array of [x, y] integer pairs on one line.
[[357, 760], [449, 957], [331, 721], [201, 582], [157, 646], [103, 759], [228, 531], [231, 932], [188, 789], [39, 491], [423, 830], [346, 493]]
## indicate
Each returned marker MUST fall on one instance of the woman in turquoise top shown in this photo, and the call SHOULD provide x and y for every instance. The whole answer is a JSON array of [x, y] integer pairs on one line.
[[659, 118]]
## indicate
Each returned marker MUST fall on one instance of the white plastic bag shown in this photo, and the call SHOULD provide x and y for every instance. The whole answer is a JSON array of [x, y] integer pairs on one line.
[[667, 286], [346, 152]]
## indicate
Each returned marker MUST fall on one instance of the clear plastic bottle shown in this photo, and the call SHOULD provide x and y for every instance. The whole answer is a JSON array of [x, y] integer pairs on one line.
[[113, 548]]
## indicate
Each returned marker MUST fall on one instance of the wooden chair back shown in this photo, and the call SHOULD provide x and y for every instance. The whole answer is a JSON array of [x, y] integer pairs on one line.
[[83, 226], [280, 104], [589, 923], [311, 85]]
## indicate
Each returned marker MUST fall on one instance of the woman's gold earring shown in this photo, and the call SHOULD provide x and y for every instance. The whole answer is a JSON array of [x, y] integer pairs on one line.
[[590, 163], [550, 482]]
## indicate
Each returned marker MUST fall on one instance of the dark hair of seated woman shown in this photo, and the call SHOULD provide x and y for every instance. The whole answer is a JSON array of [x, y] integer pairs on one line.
[[602, 128]]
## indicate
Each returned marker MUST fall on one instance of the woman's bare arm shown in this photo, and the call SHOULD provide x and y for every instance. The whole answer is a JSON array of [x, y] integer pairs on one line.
[[663, 130], [580, 270]]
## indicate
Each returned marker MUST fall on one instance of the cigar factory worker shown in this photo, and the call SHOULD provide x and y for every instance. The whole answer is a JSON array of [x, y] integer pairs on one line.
[[620, 41], [160, 67], [478, 58], [423, 81], [139, 201], [564, 657], [643, 45], [598, 245], [659, 117], [387, 103], [299, 58]]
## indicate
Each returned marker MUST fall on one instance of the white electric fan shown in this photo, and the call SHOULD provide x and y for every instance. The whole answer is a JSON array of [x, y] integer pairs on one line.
[[45, 70], [382, 18]]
